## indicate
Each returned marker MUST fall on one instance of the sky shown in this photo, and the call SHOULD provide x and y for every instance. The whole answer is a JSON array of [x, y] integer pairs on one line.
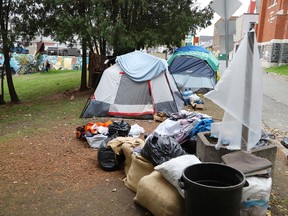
[[209, 30]]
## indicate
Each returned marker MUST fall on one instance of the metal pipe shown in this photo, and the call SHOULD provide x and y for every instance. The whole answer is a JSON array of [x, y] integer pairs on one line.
[[226, 33]]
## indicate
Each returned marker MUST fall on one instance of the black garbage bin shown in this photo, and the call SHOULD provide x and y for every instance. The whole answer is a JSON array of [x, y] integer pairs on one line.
[[212, 189]]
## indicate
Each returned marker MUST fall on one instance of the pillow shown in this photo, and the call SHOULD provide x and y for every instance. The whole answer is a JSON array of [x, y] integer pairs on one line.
[[172, 170]]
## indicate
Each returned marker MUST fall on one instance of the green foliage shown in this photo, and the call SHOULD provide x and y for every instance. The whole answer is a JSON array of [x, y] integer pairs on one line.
[[125, 24], [69, 21], [283, 70], [19, 21], [137, 24]]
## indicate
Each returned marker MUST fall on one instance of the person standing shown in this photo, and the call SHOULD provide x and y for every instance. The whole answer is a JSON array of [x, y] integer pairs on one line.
[[46, 66]]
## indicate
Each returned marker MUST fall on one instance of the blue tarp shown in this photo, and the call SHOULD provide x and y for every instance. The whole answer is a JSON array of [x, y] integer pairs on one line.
[[140, 66], [192, 48], [192, 66]]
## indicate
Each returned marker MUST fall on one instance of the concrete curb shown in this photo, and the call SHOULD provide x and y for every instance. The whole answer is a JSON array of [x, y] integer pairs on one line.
[[281, 148]]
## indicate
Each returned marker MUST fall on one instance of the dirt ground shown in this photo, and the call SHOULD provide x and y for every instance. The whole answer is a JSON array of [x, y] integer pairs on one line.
[[56, 174]]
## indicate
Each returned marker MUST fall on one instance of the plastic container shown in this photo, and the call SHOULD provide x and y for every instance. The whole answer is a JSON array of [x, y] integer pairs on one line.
[[212, 189], [186, 95]]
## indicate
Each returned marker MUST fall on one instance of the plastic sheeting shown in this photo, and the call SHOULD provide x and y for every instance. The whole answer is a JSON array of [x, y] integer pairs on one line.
[[140, 66], [240, 93], [256, 197]]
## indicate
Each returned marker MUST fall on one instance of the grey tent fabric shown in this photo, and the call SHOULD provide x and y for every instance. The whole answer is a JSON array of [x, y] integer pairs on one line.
[[139, 95]]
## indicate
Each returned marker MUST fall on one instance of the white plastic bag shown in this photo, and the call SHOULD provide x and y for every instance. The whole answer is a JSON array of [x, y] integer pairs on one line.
[[102, 130], [96, 140], [136, 130], [215, 128], [193, 97], [256, 197]]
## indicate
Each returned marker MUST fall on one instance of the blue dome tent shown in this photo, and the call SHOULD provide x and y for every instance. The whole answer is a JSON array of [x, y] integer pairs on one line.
[[194, 68]]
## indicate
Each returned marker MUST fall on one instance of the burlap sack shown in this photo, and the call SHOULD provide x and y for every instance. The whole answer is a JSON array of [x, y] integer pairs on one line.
[[158, 196], [127, 150], [139, 167]]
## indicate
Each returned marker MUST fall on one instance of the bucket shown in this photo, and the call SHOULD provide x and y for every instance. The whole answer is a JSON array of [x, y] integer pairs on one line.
[[186, 95], [212, 189]]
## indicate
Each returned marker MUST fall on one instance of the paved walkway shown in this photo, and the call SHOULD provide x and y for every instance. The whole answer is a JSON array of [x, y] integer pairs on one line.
[[275, 104]]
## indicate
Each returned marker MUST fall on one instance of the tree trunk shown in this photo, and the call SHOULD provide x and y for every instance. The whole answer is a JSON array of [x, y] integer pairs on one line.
[[12, 91], [103, 46], [2, 101], [83, 85], [6, 49]]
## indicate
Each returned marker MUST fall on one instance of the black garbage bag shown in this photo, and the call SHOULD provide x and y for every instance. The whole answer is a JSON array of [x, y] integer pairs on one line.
[[284, 142], [159, 149], [189, 146], [108, 160], [119, 127]]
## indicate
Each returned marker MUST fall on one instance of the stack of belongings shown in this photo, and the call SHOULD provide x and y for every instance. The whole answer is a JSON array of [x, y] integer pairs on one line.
[[196, 102], [258, 172], [93, 132], [159, 165], [153, 167]]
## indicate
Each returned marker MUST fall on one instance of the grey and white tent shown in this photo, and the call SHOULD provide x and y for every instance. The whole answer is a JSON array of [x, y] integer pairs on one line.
[[137, 86]]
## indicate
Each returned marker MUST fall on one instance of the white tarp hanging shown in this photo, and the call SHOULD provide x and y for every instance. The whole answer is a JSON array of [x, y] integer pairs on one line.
[[240, 93]]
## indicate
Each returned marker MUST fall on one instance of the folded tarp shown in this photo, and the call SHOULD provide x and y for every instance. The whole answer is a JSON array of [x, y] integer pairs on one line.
[[140, 66], [246, 162]]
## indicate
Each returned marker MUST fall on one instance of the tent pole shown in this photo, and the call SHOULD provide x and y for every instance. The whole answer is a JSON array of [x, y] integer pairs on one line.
[[85, 107], [226, 34], [247, 90]]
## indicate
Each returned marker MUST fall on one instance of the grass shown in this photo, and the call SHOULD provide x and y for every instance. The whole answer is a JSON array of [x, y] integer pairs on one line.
[[283, 70], [35, 86], [45, 99]]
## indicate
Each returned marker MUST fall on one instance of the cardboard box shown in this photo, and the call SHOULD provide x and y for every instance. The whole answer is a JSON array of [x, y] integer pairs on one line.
[[197, 106]]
